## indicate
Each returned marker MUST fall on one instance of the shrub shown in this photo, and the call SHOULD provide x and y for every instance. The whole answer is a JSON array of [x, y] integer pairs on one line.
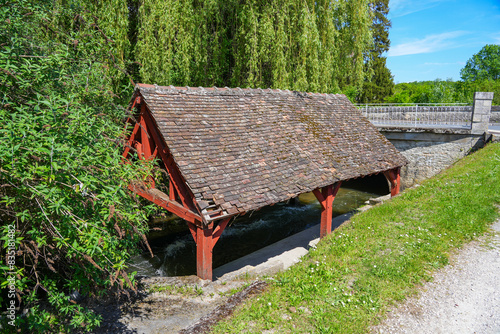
[[62, 181]]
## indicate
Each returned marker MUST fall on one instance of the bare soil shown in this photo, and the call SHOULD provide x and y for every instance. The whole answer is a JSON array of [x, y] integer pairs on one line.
[[176, 304]]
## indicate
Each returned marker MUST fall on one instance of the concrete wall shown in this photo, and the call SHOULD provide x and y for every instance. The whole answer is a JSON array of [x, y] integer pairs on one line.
[[429, 153]]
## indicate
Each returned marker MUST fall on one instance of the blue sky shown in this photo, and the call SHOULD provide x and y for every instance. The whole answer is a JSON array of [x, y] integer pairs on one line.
[[433, 39]]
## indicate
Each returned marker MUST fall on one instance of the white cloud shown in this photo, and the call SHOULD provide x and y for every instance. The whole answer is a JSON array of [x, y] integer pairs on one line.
[[398, 8], [428, 44], [445, 64]]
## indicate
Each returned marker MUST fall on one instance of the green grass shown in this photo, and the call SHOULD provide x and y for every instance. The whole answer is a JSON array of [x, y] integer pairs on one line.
[[380, 256]]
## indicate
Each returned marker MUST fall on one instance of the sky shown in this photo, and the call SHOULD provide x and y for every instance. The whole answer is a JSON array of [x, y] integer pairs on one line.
[[433, 39]]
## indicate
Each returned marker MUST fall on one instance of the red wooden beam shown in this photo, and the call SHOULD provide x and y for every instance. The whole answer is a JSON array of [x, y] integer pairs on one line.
[[325, 198], [140, 151], [161, 199], [146, 140], [137, 100], [186, 197], [171, 190], [193, 229], [131, 140], [219, 229], [320, 198], [130, 120]]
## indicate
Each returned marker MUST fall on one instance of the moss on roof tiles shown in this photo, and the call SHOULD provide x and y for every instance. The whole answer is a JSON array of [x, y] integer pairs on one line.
[[281, 141]]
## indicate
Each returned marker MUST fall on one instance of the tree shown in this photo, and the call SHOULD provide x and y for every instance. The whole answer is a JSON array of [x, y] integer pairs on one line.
[[64, 204], [315, 46], [484, 65], [379, 83], [437, 91], [63, 83]]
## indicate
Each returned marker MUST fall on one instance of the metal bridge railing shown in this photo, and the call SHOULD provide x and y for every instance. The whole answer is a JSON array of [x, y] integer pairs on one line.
[[419, 116], [495, 117]]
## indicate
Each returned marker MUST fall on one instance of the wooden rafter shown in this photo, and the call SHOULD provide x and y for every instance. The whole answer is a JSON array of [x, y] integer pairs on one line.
[[160, 198], [149, 144]]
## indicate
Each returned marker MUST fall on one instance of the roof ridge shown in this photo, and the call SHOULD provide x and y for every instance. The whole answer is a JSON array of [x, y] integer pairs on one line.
[[230, 91]]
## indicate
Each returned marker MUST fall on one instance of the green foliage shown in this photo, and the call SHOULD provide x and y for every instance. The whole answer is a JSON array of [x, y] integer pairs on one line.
[[439, 91], [379, 82], [300, 45], [62, 180], [484, 65], [381, 256], [380, 85], [465, 90]]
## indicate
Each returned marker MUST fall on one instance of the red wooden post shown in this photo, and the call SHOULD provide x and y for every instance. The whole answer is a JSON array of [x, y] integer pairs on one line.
[[171, 190], [394, 178], [204, 249], [397, 180], [325, 198], [206, 237], [326, 212]]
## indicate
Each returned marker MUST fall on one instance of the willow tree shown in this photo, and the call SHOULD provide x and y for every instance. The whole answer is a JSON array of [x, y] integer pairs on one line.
[[287, 44]]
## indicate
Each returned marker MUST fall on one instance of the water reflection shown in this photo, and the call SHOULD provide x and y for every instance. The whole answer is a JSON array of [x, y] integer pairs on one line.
[[176, 256]]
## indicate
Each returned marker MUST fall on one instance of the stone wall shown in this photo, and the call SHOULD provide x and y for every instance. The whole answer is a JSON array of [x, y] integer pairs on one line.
[[430, 153]]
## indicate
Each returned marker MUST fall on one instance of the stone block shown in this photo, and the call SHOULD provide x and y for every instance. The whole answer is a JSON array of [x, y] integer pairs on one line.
[[479, 128], [485, 118], [481, 112], [483, 96], [482, 105]]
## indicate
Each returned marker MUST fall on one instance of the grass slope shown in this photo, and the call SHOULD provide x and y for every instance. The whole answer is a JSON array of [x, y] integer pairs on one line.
[[380, 256]]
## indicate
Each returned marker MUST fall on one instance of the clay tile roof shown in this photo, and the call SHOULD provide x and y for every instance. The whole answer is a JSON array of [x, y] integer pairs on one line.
[[243, 149]]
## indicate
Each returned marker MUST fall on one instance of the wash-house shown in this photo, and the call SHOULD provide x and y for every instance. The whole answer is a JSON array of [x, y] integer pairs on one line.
[[229, 151]]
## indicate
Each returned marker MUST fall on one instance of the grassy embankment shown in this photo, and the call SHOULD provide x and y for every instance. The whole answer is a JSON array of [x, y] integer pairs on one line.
[[380, 256]]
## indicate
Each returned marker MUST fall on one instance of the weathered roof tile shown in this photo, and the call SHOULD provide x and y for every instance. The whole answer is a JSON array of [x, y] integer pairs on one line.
[[247, 148]]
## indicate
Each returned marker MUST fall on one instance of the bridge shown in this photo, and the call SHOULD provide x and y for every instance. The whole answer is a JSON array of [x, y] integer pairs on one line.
[[434, 136]]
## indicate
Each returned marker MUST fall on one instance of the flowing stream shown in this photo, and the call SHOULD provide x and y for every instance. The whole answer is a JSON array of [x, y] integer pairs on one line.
[[176, 255]]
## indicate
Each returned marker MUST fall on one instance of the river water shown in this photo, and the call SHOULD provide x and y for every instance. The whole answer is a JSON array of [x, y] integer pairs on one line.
[[176, 255]]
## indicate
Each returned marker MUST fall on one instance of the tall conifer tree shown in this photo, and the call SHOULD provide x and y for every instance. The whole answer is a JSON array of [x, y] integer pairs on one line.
[[379, 82]]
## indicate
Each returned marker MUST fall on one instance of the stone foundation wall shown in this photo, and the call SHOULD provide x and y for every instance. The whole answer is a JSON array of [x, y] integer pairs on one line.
[[429, 154], [429, 151]]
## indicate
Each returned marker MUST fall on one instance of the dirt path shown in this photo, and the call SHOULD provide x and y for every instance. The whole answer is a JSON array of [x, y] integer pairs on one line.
[[463, 298]]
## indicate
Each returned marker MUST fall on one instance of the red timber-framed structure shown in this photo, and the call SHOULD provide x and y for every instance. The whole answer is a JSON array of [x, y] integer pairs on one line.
[[230, 151]]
